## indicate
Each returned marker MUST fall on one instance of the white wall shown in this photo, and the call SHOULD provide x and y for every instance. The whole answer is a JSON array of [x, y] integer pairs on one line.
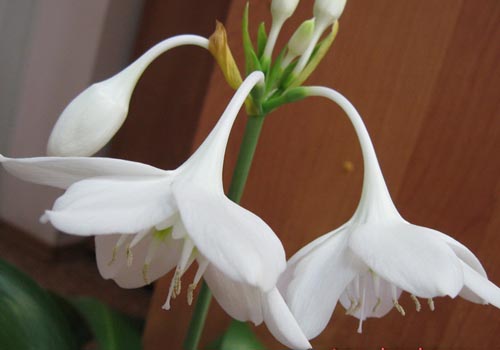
[[60, 47]]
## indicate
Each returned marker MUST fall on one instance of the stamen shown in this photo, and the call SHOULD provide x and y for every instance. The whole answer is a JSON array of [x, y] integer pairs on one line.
[[350, 310], [202, 266], [190, 293], [376, 289], [379, 301], [362, 314], [399, 308], [130, 256], [117, 246], [145, 270], [177, 282], [166, 306], [417, 302], [431, 304], [137, 239]]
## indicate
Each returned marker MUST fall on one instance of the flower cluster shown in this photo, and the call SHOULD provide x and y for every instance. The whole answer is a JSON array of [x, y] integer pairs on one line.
[[148, 221]]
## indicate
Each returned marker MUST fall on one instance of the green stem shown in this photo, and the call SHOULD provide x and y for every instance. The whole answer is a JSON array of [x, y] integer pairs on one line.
[[238, 181], [245, 157]]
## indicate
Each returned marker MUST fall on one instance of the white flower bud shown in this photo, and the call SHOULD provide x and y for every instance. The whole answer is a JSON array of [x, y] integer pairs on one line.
[[283, 9], [301, 38], [92, 118], [328, 10]]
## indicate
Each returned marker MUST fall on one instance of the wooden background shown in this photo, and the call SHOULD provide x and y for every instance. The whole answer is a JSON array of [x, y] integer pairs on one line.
[[424, 74]]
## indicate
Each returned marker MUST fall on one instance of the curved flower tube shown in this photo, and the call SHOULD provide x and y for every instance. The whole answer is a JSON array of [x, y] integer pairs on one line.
[[95, 115], [367, 263], [148, 221]]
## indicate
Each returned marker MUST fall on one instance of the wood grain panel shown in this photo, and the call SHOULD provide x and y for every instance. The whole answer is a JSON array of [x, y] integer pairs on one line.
[[425, 76]]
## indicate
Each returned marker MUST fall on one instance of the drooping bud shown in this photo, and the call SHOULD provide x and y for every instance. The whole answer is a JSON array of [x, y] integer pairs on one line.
[[93, 117], [219, 48], [283, 9], [328, 11], [299, 41], [96, 114]]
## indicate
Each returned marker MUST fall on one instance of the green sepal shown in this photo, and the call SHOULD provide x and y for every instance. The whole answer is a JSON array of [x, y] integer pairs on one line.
[[252, 62], [318, 54], [238, 336], [111, 329], [261, 39], [30, 319], [291, 95], [275, 72]]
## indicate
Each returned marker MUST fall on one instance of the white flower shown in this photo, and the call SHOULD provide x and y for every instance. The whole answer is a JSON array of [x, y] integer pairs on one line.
[[299, 41], [328, 11], [169, 219], [283, 8], [366, 263], [96, 114]]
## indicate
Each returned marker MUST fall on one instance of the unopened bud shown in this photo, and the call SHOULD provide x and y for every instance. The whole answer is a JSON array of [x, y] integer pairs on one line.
[[328, 11], [283, 9], [219, 48], [301, 38], [92, 118]]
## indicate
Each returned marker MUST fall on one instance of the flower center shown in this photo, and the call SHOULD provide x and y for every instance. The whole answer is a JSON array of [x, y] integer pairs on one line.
[[188, 255], [368, 292]]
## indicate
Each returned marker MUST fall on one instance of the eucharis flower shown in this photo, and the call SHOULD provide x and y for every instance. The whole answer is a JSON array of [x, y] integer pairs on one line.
[[148, 221], [367, 263], [96, 114]]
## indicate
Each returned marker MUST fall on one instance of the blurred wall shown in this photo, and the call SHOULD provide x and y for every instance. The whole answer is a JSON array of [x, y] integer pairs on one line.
[[50, 51]]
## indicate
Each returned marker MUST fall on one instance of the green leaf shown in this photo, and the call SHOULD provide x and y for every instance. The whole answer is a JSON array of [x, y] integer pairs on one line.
[[261, 39], [111, 329], [29, 318], [238, 336], [251, 60]]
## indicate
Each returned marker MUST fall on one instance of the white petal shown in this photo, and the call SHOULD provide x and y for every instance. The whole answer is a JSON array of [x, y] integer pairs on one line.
[[470, 259], [287, 276], [319, 279], [109, 205], [241, 301], [232, 238], [481, 286], [166, 257], [281, 323], [410, 257], [62, 172]]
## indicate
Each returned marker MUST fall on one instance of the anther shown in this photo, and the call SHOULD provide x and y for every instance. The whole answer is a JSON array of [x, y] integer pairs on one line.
[[190, 292], [399, 308], [418, 307], [430, 302], [117, 246], [145, 270], [177, 282], [130, 256]]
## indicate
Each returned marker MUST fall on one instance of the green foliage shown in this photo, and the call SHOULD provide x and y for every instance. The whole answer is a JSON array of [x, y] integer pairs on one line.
[[252, 62], [32, 318], [238, 336], [112, 330], [29, 318], [261, 39]]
